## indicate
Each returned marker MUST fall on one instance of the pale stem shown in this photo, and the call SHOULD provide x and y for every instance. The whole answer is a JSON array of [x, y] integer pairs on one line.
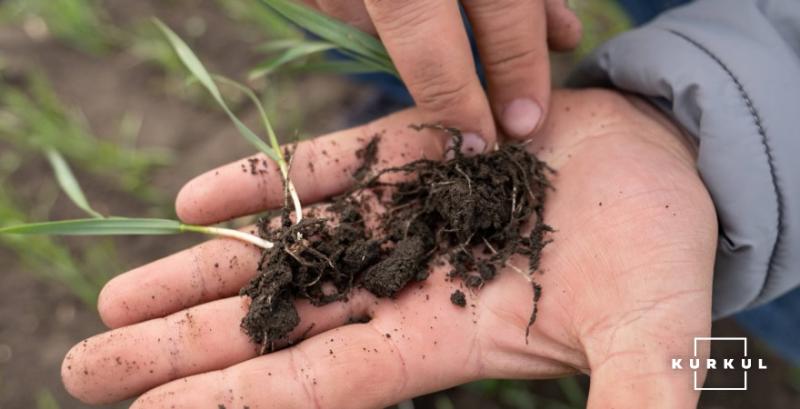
[[298, 208], [234, 234]]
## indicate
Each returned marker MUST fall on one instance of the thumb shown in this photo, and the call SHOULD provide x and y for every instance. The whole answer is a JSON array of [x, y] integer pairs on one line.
[[643, 377]]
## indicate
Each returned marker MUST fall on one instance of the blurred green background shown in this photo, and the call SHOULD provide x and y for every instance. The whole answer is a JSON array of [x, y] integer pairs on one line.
[[95, 80]]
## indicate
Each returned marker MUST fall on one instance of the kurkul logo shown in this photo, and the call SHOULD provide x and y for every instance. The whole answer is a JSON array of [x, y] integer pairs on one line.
[[745, 364]]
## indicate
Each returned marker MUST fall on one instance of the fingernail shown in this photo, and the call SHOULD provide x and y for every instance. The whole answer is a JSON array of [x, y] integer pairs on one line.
[[521, 117], [471, 145]]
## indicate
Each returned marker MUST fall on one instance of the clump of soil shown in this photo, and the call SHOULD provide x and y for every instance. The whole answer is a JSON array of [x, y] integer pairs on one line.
[[458, 298], [472, 211]]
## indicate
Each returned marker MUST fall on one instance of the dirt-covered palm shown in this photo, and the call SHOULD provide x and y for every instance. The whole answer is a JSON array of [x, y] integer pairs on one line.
[[627, 284]]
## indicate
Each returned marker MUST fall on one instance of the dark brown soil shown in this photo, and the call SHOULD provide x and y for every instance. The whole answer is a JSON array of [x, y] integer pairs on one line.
[[471, 211], [458, 298]]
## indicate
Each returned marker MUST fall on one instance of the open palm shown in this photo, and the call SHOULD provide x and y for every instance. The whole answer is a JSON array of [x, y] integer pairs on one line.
[[627, 284]]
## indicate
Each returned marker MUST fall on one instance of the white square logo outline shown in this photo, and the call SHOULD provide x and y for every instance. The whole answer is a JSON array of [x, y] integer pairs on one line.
[[694, 372]]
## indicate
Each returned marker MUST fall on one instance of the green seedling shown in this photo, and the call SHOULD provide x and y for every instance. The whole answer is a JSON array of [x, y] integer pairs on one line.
[[147, 44], [100, 225], [121, 226], [48, 119], [601, 20], [44, 256], [290, 51], [109, 226], [366, 52], [273, 151], [68, 182]]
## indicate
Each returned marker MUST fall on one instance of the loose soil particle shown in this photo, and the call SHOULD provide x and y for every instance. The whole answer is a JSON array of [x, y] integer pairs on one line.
[[458, 298], [471, 211]]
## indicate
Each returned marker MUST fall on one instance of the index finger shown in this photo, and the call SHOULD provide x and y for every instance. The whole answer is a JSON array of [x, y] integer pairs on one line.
[[321, 168], [511, 39], [428, 43]]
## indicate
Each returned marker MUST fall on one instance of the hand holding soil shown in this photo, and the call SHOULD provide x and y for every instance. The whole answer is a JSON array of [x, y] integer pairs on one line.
[[429, 46], [626, 282]]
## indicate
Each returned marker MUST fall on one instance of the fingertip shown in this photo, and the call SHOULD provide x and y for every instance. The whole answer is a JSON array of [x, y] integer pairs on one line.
[[514, 52], [472, 116], [521, 117], [471, 144], [76, 376], [71, 384], [112, 304], [105, 306], [188, 204], [238, 188]]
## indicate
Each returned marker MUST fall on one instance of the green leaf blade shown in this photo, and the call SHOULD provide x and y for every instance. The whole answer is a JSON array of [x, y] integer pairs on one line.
[[98, 227], [362, 45], [69, 184], [189, 59], [262, 113], [336, 67], [283, 44], [198, 70], [292, 54]]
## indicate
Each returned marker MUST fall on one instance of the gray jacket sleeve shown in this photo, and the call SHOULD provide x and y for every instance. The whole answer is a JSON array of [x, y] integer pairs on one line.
[[729, 72]]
